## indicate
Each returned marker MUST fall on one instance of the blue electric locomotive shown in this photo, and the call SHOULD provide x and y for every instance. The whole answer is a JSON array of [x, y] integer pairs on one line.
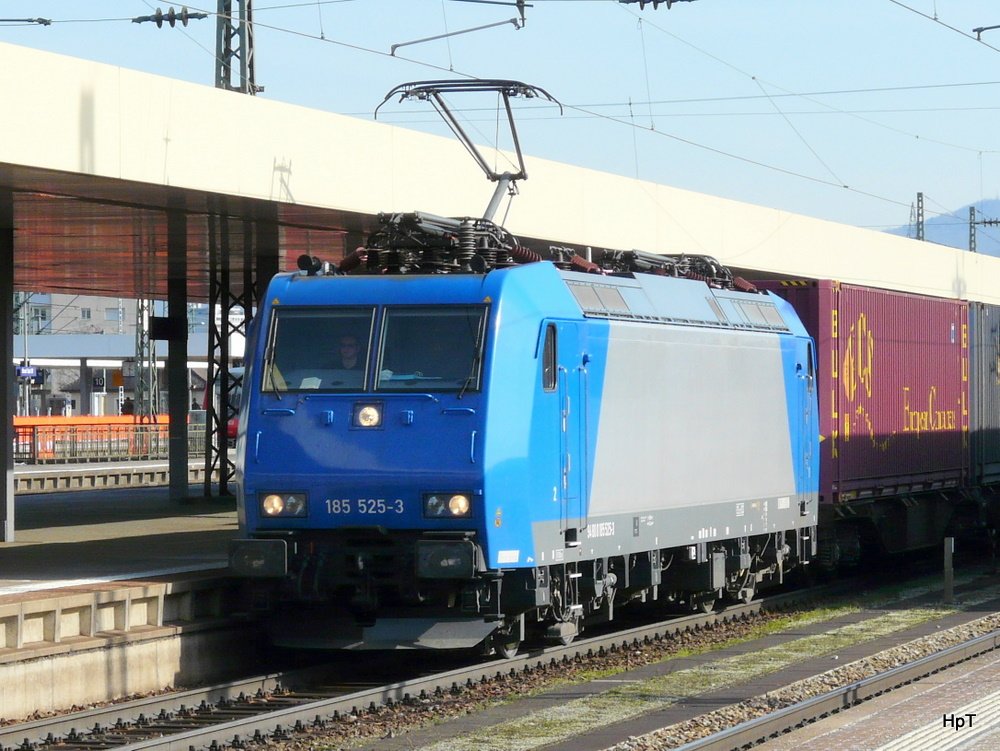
[[518, 445]]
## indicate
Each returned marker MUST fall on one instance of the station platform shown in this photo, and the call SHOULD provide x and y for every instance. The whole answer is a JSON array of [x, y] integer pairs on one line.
[[110, 593], [77, 476], [72, 539]]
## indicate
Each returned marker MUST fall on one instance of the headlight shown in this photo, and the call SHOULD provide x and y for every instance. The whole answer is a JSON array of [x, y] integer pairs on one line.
[[283, 504], [447, 505], [367, 415], [459, 505]]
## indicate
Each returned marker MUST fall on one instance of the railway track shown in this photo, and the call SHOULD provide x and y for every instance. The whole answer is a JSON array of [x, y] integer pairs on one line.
[[273, 706], [760, 730], [276, 706]]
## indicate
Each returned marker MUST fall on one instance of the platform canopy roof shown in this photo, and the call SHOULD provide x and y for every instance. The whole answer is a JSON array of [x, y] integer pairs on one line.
[[87, 235]]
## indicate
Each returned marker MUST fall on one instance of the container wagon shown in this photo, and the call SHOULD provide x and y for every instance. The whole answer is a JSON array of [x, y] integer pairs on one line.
[[894, 400]]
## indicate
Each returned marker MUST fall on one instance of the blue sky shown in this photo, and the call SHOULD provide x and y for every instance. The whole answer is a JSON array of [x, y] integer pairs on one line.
[[775, 102]]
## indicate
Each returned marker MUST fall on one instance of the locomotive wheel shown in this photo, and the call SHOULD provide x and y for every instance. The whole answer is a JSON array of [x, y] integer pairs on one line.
[[563, 632], [706, 605], [566, 640], [505, 644], [743, 593]]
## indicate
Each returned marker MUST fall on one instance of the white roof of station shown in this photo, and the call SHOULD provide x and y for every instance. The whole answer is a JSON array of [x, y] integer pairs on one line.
[[118, 137]]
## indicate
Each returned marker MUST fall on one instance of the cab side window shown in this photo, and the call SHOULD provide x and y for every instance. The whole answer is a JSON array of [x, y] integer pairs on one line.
[[549, 359]]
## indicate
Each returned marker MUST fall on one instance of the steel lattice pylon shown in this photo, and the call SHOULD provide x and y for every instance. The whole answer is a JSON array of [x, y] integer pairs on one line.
[[234, 42], [145, 379], [147, 387], [229, 314]]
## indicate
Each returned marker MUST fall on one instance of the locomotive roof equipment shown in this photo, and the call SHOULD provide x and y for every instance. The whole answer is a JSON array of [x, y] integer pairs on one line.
[[432, 91]]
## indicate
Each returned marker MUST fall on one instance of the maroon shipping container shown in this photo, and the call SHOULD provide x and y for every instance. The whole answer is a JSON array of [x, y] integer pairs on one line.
[[984, 393], [893, 379]]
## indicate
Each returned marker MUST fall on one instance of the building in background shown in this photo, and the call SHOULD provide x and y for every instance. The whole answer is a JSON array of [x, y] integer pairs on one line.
[[80, 353]]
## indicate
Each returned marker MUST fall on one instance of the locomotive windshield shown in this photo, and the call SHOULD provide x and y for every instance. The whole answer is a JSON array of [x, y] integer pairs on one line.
[[420, 349], [312, 349], [431, 349]]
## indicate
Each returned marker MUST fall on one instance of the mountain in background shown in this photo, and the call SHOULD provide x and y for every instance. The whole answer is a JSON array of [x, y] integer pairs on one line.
[[953, 229]]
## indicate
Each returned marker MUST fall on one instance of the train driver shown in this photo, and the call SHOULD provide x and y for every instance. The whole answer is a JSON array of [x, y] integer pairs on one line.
[[348, 348]]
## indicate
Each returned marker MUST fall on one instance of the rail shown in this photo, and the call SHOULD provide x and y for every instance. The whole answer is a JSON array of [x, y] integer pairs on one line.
[[760, 730], [231, 716], [53, 441]]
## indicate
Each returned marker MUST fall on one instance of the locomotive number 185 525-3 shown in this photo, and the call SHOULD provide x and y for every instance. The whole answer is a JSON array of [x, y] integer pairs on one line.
[[364, 506]]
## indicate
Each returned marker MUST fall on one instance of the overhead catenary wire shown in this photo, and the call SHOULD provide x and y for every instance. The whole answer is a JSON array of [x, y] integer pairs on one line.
[[588, 111], [319, 13], [807, 97], [745, 160], [285, 6], [798, 133], [645, 68], [536, 113], [978, 39], [635, 140], [938, 21], [444, 21], [800, 95], [25, 22], [758, 82], [770, 97]]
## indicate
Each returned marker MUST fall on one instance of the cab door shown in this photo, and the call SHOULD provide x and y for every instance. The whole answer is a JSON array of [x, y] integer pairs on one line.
[[571, 377], [807, 483]]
